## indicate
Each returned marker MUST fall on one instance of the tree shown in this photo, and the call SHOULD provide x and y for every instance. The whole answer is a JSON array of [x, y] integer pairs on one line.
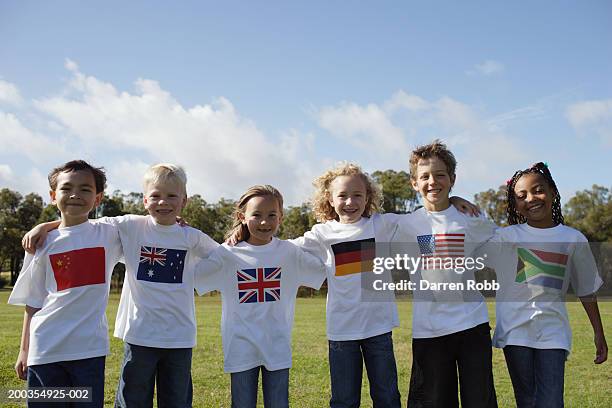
[[296, 221], [494, 204], [590, 211], [399, 196], [17, 216]]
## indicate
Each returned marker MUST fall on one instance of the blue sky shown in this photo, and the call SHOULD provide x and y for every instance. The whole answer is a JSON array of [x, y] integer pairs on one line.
[[275, 92]]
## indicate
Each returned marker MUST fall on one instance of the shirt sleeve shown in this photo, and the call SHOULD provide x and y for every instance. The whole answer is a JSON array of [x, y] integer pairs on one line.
[[209, 271], [479, 231], [584, 276], [311, 270], [204, 245], [30, 288], [311, 243]]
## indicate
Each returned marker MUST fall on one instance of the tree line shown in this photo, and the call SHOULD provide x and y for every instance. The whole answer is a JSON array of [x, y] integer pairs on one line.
[[589, 211]]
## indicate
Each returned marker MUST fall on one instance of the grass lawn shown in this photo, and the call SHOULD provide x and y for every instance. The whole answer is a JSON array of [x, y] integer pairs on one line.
[[586, 385]]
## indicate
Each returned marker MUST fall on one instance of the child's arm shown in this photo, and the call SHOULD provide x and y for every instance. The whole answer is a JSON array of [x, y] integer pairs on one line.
[[21, 366], [592, 310], [35, 238]]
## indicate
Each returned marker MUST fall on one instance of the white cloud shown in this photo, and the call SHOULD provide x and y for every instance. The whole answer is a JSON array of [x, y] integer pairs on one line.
[[16, 138], [361, 126], [222, 151], [9, 94], [5, 173], [487, 68], [487, 155], [592, 117]]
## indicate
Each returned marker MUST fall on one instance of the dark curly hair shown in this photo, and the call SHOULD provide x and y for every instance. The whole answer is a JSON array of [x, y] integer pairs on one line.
[[539, 168]]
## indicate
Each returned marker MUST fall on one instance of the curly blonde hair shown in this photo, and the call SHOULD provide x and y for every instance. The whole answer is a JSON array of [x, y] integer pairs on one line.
[[324, 211]]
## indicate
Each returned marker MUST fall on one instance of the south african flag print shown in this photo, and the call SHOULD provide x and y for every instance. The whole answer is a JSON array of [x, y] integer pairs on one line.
[[541, 268]]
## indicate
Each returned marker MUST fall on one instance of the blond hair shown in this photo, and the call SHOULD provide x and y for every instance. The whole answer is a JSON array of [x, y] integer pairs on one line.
[[239, 230], [321, 206], [163, 173], [434, 149]]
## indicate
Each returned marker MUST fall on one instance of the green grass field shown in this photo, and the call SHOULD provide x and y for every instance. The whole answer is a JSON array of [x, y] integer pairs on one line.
[[586, 385]]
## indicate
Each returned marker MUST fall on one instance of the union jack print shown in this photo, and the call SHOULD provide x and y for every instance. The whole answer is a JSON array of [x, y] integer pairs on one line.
[[258, 285], [152, 255]]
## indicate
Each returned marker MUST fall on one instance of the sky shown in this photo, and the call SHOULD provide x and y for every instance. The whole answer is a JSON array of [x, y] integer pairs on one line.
[[243, 93]]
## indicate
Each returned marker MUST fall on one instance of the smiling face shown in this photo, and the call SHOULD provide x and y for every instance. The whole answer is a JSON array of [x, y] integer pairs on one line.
[[348, 196], [262, 217], [75, 196], [433, 183], [164, 201], [534, 199]]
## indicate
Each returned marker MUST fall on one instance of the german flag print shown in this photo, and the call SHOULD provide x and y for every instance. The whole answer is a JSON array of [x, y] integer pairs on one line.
[[354, 256]]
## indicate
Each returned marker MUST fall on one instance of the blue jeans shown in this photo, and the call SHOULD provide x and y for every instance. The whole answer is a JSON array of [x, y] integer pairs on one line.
[[142, 366], [275, 386], [537, 376], [88, 372], [346, 360]]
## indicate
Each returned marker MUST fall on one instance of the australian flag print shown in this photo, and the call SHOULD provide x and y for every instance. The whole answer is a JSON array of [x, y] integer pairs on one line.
[[258, 285], [161, 265]]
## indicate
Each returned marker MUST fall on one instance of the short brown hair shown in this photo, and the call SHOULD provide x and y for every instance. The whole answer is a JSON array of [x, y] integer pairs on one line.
[[78, 165], [434, 149], [324, 211]]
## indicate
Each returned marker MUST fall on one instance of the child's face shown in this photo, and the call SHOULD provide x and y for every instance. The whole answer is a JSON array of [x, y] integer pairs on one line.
[[262, 216], [348, 196], [164, 201], [75, 196], [534, 199], [433, 183]]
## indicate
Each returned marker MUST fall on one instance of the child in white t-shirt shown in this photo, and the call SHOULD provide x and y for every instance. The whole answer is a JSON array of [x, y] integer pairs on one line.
[[65, 289], [451, 343], [359, 317], [536, 258], [156, 314], [258, 279]]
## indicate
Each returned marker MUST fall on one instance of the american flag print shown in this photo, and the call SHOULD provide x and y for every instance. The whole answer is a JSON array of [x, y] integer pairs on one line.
[[257, 285], [161, 265], [436, 248]]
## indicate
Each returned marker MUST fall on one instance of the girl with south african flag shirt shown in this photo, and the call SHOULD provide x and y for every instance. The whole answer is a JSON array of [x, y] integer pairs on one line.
[[536, 258]]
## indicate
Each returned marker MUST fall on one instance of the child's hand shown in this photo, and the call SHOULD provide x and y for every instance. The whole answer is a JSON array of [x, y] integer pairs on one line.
[[601, 349], [231, 241], [34, 239], [465, 206], [181, 221], [21, 366]]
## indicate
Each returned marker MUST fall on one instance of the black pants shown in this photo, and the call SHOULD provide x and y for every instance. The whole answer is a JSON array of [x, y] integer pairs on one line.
[[436, 361]]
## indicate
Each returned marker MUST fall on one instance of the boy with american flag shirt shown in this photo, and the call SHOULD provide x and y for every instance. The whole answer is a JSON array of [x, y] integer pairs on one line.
[[450, 328]]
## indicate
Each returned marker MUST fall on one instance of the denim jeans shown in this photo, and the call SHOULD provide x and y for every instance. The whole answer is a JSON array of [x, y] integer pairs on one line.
[[143, 366], [88, 372], [537, 376], [436, 362], [275, 386], [346, 360]]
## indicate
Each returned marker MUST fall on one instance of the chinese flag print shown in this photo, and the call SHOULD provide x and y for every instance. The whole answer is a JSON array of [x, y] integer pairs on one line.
[[80, 267]]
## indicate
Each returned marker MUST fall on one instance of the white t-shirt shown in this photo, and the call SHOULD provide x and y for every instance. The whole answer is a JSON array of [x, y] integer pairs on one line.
[[354, 310], [534, 267], [157, 306], [69, 280], [258, 285], [444, 234]]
